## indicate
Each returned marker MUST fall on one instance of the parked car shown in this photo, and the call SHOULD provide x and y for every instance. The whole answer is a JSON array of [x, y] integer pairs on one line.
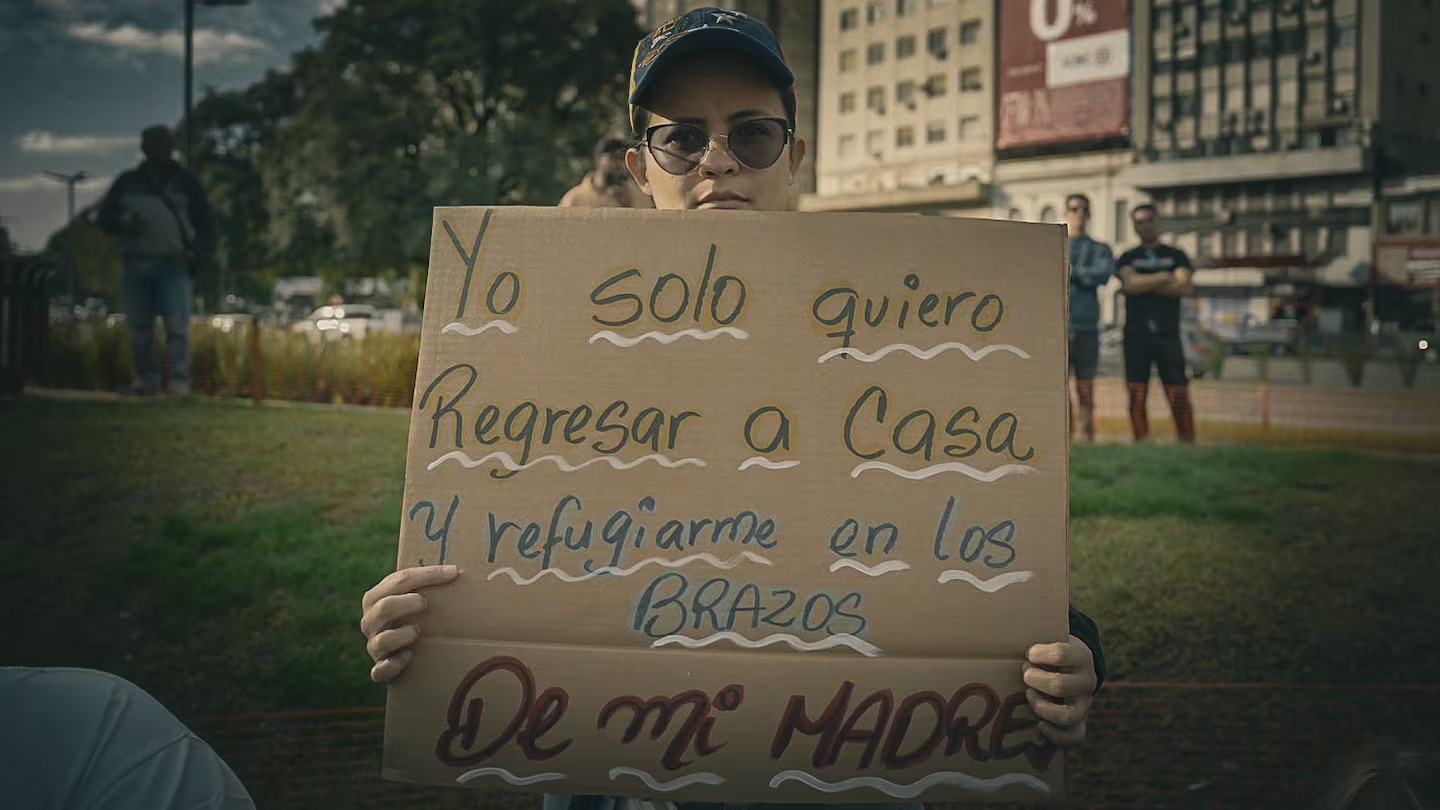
[[338, 321], [1277, 337]]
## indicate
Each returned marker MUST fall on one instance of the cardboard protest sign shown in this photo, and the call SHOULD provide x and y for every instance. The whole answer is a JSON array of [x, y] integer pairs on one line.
[[747, 506]]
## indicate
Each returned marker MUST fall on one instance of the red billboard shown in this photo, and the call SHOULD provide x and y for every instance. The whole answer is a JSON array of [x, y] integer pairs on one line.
[[1064, 71]]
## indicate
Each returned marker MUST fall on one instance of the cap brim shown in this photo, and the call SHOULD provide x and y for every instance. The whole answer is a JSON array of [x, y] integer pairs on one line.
[[718, 39]]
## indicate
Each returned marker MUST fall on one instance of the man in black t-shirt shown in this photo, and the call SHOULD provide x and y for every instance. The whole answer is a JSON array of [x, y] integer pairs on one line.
[[1155, 277]]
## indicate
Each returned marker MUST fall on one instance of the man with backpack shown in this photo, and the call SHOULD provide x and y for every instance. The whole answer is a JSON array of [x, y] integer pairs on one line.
[[161, 217]]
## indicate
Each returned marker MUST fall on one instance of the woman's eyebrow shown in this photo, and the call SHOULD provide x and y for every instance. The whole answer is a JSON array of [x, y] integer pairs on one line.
[[750, 113]]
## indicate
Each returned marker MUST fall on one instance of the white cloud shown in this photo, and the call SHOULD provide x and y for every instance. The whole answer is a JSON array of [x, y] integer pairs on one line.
[[39, 182], [211, 45], [49, 143]]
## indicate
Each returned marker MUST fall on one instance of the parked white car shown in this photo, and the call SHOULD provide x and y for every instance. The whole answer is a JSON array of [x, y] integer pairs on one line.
[[332, 322]]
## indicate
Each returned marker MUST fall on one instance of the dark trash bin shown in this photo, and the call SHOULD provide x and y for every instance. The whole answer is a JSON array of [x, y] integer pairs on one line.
[[24, 318]]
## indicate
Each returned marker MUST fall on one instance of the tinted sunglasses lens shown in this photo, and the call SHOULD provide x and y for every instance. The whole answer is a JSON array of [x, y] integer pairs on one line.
[[758, 144], [678, 148]]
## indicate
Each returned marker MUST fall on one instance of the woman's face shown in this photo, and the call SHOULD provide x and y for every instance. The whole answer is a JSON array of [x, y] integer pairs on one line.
[[715, 91]]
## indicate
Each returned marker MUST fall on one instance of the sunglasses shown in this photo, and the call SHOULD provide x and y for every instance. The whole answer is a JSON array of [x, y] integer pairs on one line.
[[1078, 209], [755, 144]]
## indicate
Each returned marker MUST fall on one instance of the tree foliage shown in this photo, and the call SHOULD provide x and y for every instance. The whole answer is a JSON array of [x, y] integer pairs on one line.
[[332, 166]]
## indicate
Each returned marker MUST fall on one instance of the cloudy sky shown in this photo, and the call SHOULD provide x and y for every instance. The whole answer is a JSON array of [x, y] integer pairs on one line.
[[81, 78]]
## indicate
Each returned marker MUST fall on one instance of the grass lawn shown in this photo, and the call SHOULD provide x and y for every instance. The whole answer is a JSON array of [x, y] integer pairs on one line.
[[217, 552]]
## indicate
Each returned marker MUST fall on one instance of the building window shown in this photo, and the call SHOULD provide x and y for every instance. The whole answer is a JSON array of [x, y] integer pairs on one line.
[[1047, 214], [970, 128], [875, 11], [935, 132], [905, 136], [1339, 242], [905, 92], [1402, 217], [847, 102], [935, 85], [875, 99], [1343, 34], [875, 53], [847, 146], [848, 58], [970, 80], [1122, 215], [935, 41], [905, 47], [908, 7], [849, 19], [970, 32], [1230, 243], [874, 142]]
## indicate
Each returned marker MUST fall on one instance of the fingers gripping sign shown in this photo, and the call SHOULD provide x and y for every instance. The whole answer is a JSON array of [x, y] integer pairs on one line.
[[386, 613], [1061, 680]]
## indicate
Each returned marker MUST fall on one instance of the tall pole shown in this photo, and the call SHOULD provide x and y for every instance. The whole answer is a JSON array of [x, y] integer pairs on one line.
[[70, 240], [189, 71], [70, 180]]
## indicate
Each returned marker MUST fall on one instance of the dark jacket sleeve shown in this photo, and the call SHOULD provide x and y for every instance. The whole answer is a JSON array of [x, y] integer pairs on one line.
[[108, 216], [201, 216], [1084, 628]]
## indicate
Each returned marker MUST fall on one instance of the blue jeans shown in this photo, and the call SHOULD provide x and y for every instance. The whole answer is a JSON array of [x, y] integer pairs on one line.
[[150, 288]]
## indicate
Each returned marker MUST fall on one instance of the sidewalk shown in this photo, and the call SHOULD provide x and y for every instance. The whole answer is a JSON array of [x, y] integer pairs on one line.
[[1302, 414], [1151, 746]]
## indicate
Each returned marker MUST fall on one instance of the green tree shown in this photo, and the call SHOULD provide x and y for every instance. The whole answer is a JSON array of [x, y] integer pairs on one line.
[[332, 167]]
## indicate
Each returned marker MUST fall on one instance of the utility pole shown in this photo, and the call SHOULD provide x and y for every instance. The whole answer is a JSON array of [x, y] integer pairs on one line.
[[190, 62], [70, 180]]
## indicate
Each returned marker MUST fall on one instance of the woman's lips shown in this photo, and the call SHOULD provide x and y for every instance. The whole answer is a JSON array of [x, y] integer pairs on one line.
[[723, 199]]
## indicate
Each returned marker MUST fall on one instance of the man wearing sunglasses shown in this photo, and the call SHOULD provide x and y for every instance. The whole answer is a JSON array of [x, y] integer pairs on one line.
[[713, 102], [1091, 265]]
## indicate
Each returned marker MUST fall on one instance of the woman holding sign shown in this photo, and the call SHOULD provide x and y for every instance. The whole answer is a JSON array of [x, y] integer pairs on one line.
[[713, 102]]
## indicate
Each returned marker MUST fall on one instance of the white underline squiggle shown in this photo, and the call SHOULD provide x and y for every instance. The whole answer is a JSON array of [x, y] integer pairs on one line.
[[761, 461], [508, 462], [702, 778], [986, 476], [915, 788], [470, 331], [861, 646], [924, 354], [987, 585], [883, 568], [471, 776], [669, 337], [625, 572]]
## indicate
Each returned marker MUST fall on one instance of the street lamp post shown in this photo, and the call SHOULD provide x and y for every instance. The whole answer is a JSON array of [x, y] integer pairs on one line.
[[70, 180], [190, 60]]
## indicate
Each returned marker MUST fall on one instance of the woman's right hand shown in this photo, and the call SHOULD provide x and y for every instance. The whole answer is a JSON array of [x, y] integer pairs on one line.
[[384, 610]]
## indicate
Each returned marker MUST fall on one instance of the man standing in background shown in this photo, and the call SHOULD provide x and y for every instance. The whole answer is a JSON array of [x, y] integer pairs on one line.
[[1091, 265], [1154, 277], [160, 215], [608, 184]]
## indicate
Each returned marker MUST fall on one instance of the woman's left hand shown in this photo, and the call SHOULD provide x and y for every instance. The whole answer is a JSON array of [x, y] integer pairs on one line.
[[1061, 681]]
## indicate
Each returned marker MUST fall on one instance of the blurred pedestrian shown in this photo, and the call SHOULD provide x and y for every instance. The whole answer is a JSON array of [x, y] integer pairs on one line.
[[608, 184], [162, 219], [1154, 277], [1091, 265]]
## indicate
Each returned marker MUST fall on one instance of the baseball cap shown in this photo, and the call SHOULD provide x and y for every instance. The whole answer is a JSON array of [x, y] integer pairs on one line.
[[700, 29]]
